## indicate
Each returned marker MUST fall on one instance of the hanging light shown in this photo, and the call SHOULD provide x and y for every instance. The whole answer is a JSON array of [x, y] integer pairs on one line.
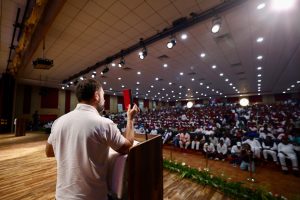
[[171, 43], [216, 25]]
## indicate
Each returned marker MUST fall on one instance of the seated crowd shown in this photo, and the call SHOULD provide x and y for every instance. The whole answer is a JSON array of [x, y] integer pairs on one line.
[[241, 135]]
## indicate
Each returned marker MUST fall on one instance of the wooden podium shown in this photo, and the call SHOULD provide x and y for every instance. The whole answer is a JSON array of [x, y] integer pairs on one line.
[[138, 175]]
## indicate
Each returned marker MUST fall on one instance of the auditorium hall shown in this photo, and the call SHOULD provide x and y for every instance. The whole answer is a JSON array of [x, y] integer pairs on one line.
[[149, 99]]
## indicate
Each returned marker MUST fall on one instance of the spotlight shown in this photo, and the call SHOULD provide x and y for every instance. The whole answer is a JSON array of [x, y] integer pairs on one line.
[[171, 43], [105, 70], [143, 53], [122, 62], [216, 25]]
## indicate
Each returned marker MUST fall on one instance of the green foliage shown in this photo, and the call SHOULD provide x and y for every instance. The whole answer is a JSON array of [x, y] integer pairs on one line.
[[235, 190]]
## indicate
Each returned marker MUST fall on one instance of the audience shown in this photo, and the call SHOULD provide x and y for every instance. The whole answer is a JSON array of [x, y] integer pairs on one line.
[[213, 129]]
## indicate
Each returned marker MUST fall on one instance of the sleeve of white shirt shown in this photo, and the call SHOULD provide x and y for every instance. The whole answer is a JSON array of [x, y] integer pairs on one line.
[[114, 137]]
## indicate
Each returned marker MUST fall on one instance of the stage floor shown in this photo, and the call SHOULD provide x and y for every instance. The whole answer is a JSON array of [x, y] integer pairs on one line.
[[26, 173]]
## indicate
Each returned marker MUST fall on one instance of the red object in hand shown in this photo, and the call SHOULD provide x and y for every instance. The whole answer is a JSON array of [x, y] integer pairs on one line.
[[127, 98]]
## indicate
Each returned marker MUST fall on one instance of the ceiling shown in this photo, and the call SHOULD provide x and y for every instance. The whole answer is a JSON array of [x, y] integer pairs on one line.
[[88, 31]]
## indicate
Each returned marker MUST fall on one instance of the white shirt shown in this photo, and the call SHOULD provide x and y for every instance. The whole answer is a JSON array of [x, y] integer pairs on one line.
[[81, 141], [222, 149]]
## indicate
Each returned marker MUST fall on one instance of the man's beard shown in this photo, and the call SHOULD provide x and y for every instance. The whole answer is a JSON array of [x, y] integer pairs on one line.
[[100, 108]]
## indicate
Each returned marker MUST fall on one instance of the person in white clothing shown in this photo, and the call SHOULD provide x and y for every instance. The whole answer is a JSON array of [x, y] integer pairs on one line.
[[209, 148], [286, 151], [221, 150], [80, 142], [269, 148], [195, 143], [255, 146], [185, 140]]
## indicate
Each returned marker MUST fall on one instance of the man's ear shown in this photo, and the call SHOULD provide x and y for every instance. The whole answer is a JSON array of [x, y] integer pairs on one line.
[[97, 96]]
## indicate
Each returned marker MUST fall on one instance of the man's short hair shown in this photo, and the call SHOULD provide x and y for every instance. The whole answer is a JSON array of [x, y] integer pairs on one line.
[[86, 89]]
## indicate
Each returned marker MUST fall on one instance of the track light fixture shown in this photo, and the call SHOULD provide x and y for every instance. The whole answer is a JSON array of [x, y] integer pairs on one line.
[[171, 43], [216, 25], [105, 70], [143, 53], [122, 62]]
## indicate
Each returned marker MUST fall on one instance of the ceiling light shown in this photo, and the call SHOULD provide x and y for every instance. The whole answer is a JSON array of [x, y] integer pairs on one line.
[[152, 86], [212, 90], [230, 84], [93, 75], [101, 73], [137, 89], [172, 91], [122, 62], [244, 102], [216, 25], [221, 74], [233, 87], [259, 57], [123, 86], [288, 89], [259, 68], [156, 78], [138, 73], [165, 65], [197, 92], [258, 84], [282, 4], [214, 66], [110, 88], [184, 36], [113, 64], [81, 78], [261, 6], [104, 82], [226, 79], [283, 92], [137, 83], [170, 83], [171, 43], [292, 85], [180, 86], [119, 78], [258, 75], [259, 80], [143, 53], [149, 91], [114, 93], [181, 73], [188, 89], [63, 87], [137, 93], [193, 79], [202, 55], [258, 88], [207, 87], [163, 89], [298, 82], [201, 83], [258, 93], [259, 39]]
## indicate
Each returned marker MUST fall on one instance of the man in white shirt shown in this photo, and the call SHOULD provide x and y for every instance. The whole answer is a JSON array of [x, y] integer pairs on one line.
[[255, 146], [80, 142], [286, 151], [269, 148]]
